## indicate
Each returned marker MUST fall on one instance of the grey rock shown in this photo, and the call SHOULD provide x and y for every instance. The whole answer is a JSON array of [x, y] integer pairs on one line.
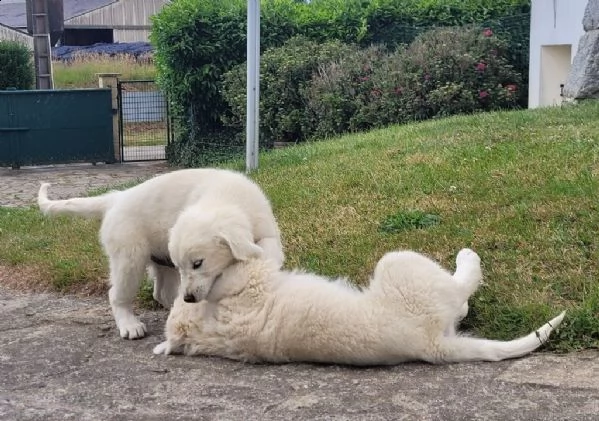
[[55, 366], [583, 79], [590, 21]]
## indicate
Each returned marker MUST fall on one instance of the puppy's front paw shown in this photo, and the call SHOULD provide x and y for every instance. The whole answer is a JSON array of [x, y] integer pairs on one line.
[[132, 329], [467, 257], [162, 348]]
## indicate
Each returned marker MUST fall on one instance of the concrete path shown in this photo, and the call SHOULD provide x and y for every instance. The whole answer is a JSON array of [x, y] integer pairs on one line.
[[61, 359], [19, 187]]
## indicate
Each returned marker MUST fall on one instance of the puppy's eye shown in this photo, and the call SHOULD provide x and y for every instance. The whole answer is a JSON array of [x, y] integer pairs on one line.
[[197, 264]]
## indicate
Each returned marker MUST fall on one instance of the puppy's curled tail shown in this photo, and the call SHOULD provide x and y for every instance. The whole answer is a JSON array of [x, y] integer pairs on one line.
[[91, 207]]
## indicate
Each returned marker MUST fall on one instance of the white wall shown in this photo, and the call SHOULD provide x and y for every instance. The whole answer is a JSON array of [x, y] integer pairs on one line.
[[131, 35], [10, 34], [552, 23], [556, 61]]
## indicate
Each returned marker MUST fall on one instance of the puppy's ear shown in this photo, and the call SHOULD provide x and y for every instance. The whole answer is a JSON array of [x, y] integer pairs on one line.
[[241, 243]]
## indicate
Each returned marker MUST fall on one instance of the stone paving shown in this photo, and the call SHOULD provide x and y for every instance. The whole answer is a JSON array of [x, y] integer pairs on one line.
[[19, 187], [61, 358]]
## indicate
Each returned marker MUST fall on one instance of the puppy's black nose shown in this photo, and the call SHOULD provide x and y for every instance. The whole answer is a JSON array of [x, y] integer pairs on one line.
[[189, 298]]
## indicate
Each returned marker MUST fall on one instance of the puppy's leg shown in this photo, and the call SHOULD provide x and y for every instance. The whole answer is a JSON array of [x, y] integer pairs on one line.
[[468, 272], [167, 348], [272, 249], [166, 284], [126, 273], [467, 277]]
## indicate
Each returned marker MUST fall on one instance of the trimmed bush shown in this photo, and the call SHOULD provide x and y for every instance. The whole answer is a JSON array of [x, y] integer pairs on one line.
[[284, 72], [198, 149], [197, 41], [16, 66], [337, 95]]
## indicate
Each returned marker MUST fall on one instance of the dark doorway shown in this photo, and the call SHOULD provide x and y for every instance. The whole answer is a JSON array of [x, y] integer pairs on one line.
[[87, 36]]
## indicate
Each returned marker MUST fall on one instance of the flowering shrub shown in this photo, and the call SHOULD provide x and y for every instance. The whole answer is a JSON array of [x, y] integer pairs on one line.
[[310, 90], [337, 95], [443, 72], [467, 71]]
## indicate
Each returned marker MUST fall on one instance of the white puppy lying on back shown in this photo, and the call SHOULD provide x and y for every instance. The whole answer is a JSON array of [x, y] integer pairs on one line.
[[256, 312], [136, 223]]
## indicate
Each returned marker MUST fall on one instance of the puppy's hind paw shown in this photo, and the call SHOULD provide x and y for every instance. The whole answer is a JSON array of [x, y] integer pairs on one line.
[[467, 257], [162, 348]]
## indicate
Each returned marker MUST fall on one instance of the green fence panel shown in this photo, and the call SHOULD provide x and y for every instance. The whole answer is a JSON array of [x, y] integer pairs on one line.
[[55, 127]]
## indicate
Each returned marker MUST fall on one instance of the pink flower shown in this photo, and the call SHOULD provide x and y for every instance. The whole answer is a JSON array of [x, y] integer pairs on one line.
[[376, 92], [427, 76], [398, 90], [511, 87], [482, 94], [487, 32], [364, 78], [480, 67]]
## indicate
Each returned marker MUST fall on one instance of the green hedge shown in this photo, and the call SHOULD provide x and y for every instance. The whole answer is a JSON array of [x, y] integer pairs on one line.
[[16, 66], [198, 41], [284, 72], [313, 91]]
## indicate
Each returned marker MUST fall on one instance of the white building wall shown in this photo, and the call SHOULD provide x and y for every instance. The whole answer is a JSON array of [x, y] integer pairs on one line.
[[130, 13], [10, 34], [555, 29], [131, 35]]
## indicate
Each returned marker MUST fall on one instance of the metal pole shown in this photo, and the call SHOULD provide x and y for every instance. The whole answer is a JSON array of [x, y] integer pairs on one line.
[[253, 85]]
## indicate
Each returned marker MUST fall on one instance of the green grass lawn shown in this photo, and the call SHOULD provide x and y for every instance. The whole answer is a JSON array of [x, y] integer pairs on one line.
[[520, 188], [145, 133]]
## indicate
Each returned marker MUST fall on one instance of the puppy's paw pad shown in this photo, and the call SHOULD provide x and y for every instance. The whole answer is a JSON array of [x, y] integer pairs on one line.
[[162, 348], [467, 257], [132, 330]]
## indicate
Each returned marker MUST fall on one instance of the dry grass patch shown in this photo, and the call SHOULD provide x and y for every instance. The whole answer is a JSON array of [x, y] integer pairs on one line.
[[81, 71]]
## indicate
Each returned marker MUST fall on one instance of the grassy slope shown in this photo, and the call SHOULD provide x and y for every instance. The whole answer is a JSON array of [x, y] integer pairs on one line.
[[519, 188]]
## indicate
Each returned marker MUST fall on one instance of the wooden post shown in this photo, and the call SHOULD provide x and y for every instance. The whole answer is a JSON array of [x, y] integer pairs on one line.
[[37, 17], [111, 80]]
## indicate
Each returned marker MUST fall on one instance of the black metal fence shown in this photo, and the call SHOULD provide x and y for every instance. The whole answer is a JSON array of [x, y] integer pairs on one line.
[[144, 121]]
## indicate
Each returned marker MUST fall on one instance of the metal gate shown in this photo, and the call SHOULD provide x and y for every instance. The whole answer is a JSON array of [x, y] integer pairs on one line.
[[144, 121], [55, 127]]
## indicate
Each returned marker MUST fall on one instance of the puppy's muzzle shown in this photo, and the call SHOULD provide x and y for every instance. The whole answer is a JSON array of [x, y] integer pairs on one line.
[[189, 298]]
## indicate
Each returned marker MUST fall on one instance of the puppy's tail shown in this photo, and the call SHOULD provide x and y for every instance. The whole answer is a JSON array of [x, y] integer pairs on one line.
[[91, 207], [464, 349]]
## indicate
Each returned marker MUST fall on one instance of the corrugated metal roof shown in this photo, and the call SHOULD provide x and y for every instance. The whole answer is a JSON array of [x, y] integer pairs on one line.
[[12, 12], [78, 7]]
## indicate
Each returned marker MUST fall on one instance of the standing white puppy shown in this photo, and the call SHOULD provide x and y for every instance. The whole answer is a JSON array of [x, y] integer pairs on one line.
[[136, 224]]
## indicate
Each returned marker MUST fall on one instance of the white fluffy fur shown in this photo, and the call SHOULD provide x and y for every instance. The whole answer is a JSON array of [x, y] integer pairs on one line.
[[136, 224], [258, 313]]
